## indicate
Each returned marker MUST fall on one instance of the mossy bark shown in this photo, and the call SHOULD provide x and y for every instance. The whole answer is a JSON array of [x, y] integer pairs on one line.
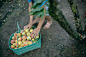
[[75, 11], [58, 16], [76, 16]]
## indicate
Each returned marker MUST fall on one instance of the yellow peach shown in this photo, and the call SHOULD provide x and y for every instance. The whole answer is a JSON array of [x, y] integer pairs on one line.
[[28, 38], [20, 39], [23, 33], [25, 43], [28, 33], [20, 43], [29, 42], [19, 35], [15, 34], [26, 30], [31, 30], [24, 37], [12, 46], [12, 41]]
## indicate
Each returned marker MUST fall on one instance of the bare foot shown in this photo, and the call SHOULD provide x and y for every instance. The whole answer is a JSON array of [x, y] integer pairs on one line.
[[36, 20], [48, 24]]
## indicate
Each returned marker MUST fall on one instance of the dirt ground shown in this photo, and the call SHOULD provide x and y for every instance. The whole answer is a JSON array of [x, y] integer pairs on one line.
[[55, 41]]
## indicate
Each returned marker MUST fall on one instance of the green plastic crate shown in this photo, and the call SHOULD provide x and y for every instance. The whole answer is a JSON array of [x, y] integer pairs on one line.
[[25, 49]]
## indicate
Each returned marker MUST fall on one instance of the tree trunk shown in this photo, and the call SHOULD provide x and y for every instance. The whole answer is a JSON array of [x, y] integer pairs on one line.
[[58, 16]]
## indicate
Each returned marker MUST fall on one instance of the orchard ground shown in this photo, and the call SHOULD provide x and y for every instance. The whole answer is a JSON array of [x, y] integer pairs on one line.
[[55, 41]]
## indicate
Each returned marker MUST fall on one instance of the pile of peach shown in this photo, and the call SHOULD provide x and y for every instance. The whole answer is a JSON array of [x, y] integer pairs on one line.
[[22, 39]]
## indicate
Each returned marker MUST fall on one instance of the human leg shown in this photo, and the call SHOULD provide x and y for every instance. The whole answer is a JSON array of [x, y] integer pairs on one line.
[[31, 17], [36, 31], [49, 22], [36, 20]]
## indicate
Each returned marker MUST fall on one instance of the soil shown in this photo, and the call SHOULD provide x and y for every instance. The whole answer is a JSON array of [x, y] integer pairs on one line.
[[55, 41]]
